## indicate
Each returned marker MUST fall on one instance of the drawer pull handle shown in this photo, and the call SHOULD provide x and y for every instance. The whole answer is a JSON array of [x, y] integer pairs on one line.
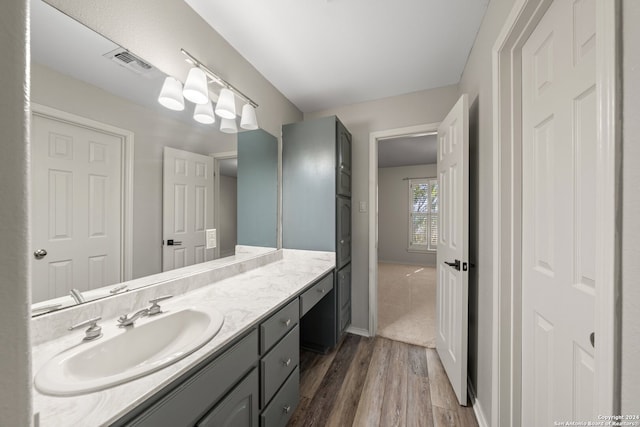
[[286, 409], [322, 291], [287, 322], [286, 362]]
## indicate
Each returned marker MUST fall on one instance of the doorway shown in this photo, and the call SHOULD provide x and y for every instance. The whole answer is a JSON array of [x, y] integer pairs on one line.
[[407, 238], [396, 273]]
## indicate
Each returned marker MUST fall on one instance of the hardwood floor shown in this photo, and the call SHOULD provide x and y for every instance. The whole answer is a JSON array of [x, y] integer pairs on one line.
[[369, 382]]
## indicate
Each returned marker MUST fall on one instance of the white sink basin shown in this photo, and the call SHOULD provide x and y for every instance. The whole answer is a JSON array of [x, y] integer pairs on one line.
[[129, 353]]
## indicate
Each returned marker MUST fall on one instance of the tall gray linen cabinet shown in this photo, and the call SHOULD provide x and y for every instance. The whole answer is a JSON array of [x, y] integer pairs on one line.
[[316, 215]]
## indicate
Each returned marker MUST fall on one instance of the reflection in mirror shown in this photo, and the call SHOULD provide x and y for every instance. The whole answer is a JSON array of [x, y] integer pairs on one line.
[[98, 141], [257, 196], [226, 200]]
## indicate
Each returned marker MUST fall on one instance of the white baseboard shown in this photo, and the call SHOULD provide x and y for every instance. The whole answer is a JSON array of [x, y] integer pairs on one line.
[[358, 331], [477, 407]]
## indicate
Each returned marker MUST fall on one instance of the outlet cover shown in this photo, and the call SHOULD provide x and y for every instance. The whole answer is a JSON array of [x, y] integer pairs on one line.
[[211, 238]]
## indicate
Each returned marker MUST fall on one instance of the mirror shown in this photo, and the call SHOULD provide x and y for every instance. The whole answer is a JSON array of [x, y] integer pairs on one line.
[[96, 102]]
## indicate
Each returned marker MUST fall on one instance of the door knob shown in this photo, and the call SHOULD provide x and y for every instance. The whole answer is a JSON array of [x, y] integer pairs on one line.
[[455, 264], [40, 253]]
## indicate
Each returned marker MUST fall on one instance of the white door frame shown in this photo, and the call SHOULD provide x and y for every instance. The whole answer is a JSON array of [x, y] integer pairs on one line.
[[216, 192], [126, 190], [507, 213], [374, 137]]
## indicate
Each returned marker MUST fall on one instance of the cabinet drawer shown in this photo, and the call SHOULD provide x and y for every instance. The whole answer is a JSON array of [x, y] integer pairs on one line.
[[187, 403], [278, 364], [278, 325], [315, 293], [283, 404]]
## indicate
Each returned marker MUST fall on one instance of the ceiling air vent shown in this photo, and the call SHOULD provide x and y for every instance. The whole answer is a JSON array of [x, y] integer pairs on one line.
[[128, 60]]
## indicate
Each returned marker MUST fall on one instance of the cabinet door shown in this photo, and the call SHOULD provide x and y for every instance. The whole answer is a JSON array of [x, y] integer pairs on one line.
[[344, 161], [343, 284], [238, 409], [343, 228], [185, 404]]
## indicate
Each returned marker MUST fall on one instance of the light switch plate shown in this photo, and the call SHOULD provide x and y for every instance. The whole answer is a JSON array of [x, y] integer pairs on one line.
[[211, 238], [363, 207]]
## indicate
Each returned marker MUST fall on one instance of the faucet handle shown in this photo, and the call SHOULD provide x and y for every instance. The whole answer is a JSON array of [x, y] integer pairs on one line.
[[94, 331], [155, 307]]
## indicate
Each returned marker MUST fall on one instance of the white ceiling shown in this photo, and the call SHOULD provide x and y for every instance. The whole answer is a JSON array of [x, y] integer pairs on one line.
[[408, 151], [327, 53]]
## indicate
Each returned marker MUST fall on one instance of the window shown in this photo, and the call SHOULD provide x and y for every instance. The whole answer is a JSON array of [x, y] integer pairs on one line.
[[423, 214]]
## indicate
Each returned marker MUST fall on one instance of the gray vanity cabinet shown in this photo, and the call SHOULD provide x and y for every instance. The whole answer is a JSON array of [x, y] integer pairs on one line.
[[316, 215]]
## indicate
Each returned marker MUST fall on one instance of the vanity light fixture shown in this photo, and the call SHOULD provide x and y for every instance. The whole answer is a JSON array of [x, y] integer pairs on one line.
[[249, 120], [228, 126], [196, 89], [226, 105], [203, 113], [171, 94]]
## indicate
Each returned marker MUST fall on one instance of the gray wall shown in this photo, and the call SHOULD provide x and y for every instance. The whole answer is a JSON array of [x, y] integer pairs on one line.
[[15, 295], [631, 210], [228, 232], [309, 185], [477, 82], [152, 131], [393, 215], [257, 189], [361, 119]]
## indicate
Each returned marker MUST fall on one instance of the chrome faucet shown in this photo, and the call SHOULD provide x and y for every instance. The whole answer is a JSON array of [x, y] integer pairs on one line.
[[128, 321], [77, 296], [151, 311]]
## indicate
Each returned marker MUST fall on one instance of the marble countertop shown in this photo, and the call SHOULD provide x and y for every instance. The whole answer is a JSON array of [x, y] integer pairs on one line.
[[244, 300]]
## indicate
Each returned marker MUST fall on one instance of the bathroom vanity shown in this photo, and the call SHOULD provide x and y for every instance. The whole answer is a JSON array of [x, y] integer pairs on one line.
[[247, 375]]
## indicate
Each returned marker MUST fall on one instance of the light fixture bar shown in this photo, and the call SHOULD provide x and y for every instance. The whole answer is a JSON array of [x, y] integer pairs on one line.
[[216, 78]]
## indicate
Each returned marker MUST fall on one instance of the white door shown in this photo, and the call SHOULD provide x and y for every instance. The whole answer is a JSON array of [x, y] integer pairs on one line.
[[453, 246], [187, 208], [76, 207], [558, 221]]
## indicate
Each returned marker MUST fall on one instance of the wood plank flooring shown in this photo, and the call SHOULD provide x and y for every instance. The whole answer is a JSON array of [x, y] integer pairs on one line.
[[368, 382]]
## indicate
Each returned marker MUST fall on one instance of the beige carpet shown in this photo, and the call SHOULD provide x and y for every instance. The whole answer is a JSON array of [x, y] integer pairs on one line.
[[407, 303]]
